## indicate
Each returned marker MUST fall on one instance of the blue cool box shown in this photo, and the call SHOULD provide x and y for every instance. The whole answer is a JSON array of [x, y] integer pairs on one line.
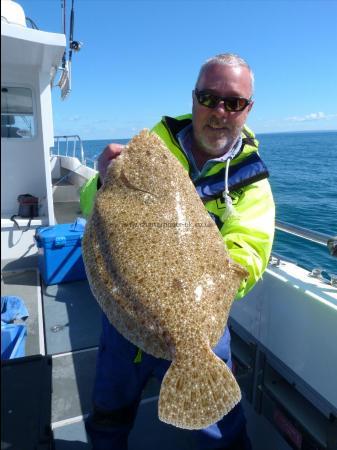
[[60, 252]]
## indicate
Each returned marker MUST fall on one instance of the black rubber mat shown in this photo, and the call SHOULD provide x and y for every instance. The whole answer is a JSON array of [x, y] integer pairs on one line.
[[26, 403]]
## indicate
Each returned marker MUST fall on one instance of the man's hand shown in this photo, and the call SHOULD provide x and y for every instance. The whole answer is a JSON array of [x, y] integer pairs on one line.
[[111, 152]]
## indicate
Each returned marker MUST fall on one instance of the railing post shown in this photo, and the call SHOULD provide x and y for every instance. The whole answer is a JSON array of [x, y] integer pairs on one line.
[[82, 150]]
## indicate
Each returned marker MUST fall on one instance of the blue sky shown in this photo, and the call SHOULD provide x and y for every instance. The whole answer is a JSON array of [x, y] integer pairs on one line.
[[140, 59]]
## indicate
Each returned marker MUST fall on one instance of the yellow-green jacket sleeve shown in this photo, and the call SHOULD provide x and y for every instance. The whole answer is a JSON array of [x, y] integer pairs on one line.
[[249, 233], [87, 195]]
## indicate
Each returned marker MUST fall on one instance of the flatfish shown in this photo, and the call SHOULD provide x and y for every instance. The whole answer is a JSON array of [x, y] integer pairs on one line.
[[158, 267]]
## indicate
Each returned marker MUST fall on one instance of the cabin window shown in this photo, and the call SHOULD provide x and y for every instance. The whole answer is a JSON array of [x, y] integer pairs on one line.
[[17, 114]]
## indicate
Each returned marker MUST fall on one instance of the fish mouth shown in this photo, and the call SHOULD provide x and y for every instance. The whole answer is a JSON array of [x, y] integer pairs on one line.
[[127, 183]]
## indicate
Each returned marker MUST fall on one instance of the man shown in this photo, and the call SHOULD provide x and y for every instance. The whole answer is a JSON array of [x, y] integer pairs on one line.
[[220, 154]]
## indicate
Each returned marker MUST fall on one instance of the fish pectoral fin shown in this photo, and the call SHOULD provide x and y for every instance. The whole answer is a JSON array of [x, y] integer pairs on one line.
[[197, 391], [129, 185]]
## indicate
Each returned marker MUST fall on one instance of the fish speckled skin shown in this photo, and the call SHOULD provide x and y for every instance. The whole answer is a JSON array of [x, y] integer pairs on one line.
[[158, 267]]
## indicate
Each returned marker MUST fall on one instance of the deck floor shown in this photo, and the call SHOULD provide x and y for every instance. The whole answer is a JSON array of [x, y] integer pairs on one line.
[[72, 317], [72, 323], [24, 283], [65, 322], [150, 434]]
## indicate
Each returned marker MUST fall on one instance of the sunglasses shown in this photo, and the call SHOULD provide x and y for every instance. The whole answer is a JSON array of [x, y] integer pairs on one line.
[[231, 104]]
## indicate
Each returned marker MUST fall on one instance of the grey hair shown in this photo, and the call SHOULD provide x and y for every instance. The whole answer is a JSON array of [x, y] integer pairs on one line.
[[227, 59]]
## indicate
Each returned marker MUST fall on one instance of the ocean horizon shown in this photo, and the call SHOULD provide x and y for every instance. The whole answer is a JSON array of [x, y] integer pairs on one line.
[[257, 134], [303, 177]]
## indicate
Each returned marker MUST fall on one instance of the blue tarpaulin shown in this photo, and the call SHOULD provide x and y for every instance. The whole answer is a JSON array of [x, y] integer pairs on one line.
[[13, 336], [12, 308]]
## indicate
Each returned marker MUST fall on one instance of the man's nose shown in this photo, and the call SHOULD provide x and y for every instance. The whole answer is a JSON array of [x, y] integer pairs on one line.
[[220, 109]]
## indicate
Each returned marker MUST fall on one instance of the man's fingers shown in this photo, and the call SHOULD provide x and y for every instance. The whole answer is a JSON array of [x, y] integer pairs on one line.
[[111, 152]]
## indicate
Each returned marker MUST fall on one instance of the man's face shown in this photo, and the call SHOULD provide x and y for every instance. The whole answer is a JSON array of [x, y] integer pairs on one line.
[[214, 129]]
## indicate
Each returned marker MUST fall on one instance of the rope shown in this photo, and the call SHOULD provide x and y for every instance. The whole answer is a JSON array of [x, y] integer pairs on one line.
[[230, 210]]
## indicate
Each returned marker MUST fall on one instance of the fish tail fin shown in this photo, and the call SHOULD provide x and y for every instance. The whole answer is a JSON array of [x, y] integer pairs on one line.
[[197, 391]]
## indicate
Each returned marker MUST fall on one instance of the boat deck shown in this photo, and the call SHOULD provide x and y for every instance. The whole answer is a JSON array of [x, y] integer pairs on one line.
[[64, 324], [70, 333]]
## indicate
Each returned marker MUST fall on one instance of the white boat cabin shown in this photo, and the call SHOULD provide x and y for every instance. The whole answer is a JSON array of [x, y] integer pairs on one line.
[[31, 60]]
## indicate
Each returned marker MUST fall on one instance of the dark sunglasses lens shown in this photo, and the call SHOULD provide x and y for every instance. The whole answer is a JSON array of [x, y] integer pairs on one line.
[[208, 100], [235, 104], [231, 104]]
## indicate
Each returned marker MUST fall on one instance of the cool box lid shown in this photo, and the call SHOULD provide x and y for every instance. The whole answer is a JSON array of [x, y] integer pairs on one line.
[[61, 234]]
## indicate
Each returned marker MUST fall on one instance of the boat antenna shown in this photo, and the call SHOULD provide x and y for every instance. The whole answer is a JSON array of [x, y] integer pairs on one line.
[[73, 45], [65, 80], [63, 6]]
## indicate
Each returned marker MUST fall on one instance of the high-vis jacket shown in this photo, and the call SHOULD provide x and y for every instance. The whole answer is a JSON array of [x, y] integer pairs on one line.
[[248, 228]]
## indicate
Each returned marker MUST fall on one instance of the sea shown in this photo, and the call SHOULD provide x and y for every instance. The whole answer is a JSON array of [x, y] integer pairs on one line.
[[303, 177]]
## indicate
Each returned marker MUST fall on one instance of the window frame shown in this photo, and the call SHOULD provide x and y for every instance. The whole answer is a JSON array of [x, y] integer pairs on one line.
[[34, 117]]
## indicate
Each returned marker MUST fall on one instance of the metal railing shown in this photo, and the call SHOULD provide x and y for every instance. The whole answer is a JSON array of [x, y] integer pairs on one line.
[[319, 238], [90, 162], [69, 147]]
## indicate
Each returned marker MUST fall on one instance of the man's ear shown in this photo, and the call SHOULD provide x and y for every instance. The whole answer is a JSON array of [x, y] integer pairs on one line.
[[193, 97]]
